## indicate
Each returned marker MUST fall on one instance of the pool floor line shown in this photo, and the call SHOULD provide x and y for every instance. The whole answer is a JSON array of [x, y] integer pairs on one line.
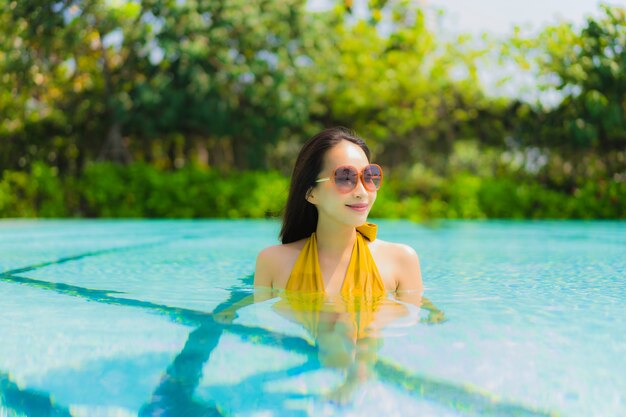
[[190, 317], [27, 402], [271, 397], [473, 401], [98, 253]]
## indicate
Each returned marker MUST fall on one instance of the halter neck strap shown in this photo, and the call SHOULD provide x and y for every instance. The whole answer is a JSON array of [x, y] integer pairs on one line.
[[368, 230]]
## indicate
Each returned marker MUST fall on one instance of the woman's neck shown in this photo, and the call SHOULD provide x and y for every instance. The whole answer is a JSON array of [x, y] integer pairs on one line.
[[334, 238]]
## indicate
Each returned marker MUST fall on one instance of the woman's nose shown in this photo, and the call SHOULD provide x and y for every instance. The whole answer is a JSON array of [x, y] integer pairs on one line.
[[359, 190]]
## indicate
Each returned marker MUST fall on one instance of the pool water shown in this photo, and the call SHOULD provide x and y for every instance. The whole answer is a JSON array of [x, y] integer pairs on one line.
[[120, 318]]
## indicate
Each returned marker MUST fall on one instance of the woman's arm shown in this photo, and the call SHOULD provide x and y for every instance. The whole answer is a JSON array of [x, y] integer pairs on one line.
[[409, 275], [262, 289], [410, 286], [263, 275]]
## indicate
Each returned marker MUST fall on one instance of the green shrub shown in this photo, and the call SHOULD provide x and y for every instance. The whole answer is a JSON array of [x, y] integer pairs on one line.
[[35, 194], [141, 190]]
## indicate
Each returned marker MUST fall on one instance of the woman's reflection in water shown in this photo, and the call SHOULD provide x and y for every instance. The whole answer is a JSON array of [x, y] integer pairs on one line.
[[347, 330]]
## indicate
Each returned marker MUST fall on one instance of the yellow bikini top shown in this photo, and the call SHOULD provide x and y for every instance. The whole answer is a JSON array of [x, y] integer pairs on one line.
[[305, 300], [362, 297], [362, 277]]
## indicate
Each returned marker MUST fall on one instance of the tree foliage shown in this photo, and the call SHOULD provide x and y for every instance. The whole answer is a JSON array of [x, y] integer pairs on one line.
[[235, 85], [412, 95], [587, 68]]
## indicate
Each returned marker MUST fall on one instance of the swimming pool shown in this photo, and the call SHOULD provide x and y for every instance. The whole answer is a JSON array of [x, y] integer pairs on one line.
[[114, 318]]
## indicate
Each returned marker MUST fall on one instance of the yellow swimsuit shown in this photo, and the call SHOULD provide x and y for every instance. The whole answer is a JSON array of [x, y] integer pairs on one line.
[[362, 277], [361, 293]]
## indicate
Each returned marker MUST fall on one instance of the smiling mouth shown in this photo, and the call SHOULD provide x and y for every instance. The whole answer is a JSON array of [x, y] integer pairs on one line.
[[358, 207]]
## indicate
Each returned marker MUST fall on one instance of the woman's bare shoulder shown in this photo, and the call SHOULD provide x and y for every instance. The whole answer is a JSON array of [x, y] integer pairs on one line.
[[399, 251], [277, 253], [400, 262], [274, 263]]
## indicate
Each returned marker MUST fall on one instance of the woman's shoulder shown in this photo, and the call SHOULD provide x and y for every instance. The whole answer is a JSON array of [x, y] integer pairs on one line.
[[274, 263], [399, 263], [397, 251], [279, 252]]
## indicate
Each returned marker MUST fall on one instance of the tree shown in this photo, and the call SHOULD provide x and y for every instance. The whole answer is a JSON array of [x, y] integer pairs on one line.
[[74, 63], [588, 70], [230, 70], [388, 75]]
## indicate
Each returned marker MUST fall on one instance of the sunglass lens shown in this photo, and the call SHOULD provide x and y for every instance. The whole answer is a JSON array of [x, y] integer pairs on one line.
[[372, 176], [345, 178]]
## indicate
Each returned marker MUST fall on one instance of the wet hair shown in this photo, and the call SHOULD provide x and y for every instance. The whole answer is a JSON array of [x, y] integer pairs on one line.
[[300, 216]]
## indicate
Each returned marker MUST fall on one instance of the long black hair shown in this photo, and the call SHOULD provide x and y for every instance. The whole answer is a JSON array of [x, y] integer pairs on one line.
[[300, 217]]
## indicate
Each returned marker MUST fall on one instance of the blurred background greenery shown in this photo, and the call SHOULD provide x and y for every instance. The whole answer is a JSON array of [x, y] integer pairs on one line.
[[197, 108]]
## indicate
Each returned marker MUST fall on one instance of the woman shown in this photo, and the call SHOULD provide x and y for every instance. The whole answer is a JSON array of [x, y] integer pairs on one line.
[[333, 188], [336, 273]]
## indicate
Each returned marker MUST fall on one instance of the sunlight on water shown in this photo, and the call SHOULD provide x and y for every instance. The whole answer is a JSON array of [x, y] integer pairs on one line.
[[127, 318]]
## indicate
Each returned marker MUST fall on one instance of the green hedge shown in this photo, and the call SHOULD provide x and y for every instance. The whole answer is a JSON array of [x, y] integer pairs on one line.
[[140, 190], [108, 190]]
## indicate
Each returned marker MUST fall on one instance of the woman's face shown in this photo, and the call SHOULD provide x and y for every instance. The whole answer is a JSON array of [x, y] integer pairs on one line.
[[350, 208]]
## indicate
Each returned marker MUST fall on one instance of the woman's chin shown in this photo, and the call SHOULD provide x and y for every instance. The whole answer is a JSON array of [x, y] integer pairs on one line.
[[356, 222], [358, 219], [351, 218]]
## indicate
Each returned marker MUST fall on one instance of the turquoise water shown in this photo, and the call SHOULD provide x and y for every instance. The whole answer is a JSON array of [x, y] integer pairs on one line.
[[114, 318]]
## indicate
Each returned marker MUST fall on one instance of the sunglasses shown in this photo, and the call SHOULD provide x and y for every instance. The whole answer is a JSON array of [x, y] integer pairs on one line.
[[346, 177]]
